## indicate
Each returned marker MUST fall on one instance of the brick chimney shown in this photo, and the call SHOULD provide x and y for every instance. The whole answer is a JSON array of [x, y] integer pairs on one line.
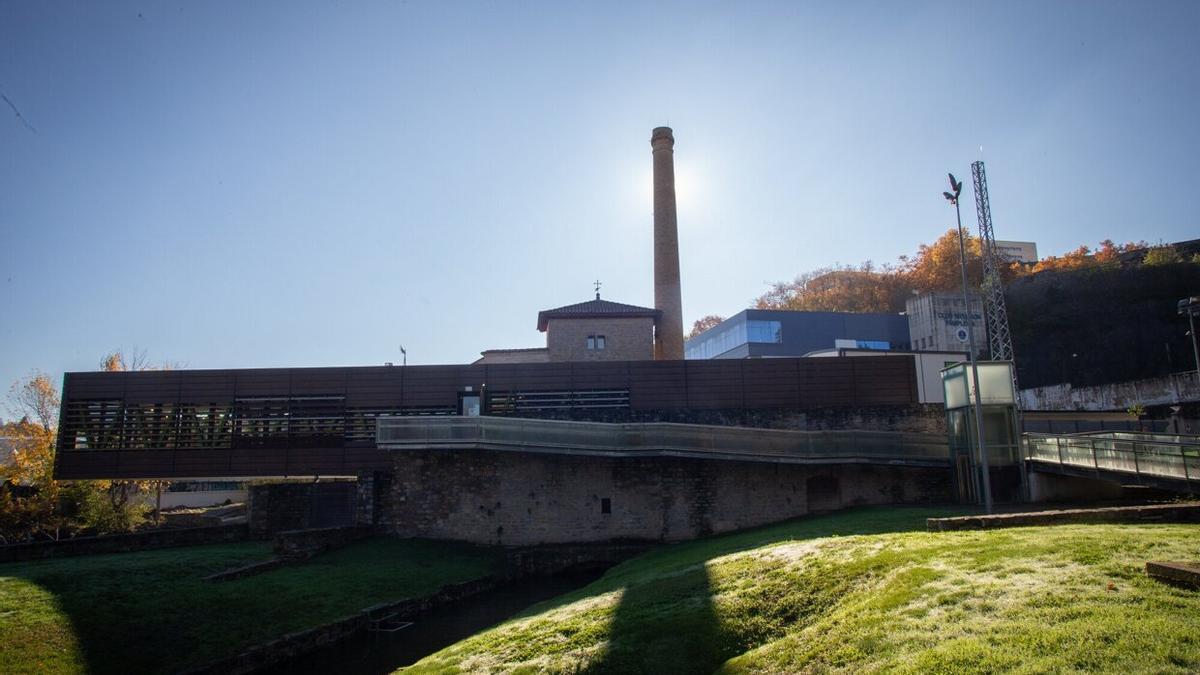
[[668, 333]]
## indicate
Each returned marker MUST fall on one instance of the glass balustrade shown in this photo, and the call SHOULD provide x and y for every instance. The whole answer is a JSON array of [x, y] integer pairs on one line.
[[397, 432], [1153, 455]]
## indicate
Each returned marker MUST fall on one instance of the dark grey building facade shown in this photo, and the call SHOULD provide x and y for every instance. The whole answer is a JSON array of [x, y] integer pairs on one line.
[[755, 333]]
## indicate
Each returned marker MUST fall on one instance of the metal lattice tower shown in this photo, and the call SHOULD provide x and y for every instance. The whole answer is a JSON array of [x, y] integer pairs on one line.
[[999, 338]]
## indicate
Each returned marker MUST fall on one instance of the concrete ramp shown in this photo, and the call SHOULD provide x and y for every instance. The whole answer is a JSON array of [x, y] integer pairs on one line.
[[695, 441], [1163, 461]]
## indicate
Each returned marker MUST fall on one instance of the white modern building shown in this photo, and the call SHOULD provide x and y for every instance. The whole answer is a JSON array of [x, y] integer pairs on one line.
[[1019, 251]]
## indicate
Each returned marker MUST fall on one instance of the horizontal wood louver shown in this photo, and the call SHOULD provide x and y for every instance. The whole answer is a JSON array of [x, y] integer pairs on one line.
[[91, 424], [506, 403]]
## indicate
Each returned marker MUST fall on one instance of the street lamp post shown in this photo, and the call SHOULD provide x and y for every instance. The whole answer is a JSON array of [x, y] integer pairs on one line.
[[956, 186], [1191, 306]]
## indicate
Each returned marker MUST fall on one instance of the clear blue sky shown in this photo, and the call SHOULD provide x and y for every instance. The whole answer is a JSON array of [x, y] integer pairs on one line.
[[237, 185]]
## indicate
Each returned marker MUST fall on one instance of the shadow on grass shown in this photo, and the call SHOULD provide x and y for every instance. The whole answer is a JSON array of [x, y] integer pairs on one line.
[[854, 521], [666, 620], [151, 612], [669, 626], [123, 612]]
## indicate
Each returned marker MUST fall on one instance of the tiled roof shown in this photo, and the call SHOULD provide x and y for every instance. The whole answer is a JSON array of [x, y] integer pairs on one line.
[[510, 351], [595, 309]]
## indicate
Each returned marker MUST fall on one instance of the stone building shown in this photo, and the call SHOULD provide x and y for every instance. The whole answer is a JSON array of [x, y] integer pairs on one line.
[[596, 330]]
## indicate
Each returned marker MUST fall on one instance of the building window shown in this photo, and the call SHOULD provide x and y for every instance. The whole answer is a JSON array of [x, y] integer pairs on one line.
[[764, 331], [605, 505], [595, 342]]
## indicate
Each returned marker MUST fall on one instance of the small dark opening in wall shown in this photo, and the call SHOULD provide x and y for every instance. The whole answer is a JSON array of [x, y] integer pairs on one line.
[[605, 505]]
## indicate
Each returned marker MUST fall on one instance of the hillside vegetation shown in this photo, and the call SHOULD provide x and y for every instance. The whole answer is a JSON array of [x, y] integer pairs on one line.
[[1103, 324], [855, 592]]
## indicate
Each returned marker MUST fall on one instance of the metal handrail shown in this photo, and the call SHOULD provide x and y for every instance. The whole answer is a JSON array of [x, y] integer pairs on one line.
[[1189, 440], [1151, 455], [659, 437]]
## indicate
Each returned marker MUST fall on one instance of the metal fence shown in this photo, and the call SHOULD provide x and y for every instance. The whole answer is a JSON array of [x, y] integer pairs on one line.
[[1150, 455], [662, 439]]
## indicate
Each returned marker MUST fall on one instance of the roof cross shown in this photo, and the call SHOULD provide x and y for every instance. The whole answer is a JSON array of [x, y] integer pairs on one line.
[[597, 285]]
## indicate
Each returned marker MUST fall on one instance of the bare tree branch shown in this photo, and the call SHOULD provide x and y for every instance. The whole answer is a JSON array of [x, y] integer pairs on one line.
[[17, 112]]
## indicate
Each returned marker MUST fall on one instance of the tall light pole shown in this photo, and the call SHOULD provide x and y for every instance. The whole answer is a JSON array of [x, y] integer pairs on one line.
[[1191, 306], [952, 197]]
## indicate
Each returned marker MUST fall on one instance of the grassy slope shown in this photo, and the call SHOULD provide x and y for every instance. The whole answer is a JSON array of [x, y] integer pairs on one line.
[[798, 598], [150, 612]]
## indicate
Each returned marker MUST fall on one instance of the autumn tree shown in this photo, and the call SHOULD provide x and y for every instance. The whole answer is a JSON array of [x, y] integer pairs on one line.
[[838, 289], [1162, 255], [934, 267], [119, 361], [28, 492], [704, 323], [938, 266], [32, 503], [123, 509], [35, 397]]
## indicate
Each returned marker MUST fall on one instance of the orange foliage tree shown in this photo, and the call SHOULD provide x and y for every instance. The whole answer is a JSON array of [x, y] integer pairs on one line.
[[934, 267], [704, 323], [28, 492]]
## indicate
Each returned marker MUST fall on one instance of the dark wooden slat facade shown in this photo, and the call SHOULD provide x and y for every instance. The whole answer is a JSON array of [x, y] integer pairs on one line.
[[306, 421]]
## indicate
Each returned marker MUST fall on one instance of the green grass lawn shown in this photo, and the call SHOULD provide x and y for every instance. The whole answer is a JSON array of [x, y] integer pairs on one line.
[[150, 612], [867, 591]]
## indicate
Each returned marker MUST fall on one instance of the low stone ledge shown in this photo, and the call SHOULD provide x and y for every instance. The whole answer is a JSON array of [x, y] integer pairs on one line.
[[123, 543], [296, 546], [1154, 513], [549, 559], [304, 544], [521, 563], [292, 645], [1182, 574], [247, 570]]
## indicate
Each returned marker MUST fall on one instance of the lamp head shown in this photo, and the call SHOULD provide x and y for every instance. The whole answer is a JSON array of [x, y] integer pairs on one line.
[[955, 185]]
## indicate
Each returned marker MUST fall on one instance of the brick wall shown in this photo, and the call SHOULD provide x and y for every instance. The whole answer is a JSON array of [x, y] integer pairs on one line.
[[626, 339], [521, 499]]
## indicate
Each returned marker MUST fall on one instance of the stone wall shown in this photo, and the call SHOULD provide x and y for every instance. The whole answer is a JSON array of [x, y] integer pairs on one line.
[[1052, 487], [302, 544], [287, 505], [921, 418], [512, 498], [275, 507], [121, 543], [1165, 390], [1152, 513], [626, 339]]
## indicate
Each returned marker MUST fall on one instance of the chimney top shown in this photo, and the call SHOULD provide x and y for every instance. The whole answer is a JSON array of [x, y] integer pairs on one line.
[[662, 134]]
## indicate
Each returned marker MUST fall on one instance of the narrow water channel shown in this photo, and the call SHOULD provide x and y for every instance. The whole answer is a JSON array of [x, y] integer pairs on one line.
[[378, 653]]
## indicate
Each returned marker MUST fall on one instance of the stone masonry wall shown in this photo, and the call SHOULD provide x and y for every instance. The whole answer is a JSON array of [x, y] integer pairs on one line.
[[288, 505], [512, 498], [919, 418], [121, 543], [626, 339]]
